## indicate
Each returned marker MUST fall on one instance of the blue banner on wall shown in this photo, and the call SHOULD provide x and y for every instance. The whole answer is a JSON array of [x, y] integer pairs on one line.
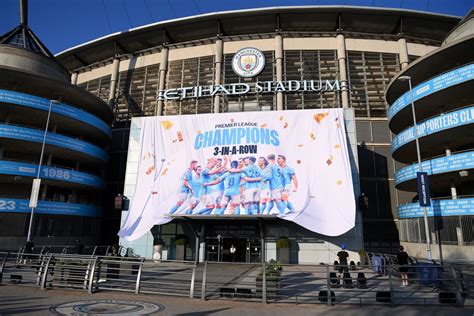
[[446, 164], [34, 135], [438, 208], [437, 124], [46, 207], [61, 109], [436, 84], [48, 172], [423, 189]]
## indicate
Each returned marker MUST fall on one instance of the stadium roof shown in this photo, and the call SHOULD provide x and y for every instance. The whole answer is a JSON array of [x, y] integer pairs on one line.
[[364, 21]]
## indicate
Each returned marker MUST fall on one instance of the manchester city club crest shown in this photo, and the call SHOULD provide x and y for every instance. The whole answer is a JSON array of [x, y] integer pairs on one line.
[[248, 62]]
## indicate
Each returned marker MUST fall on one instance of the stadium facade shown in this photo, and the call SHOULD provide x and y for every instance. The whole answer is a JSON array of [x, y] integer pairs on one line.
[[33, 85], [362, 48]]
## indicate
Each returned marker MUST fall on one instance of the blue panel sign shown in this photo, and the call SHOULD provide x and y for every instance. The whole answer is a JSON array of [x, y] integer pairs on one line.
[[436, 84], [49, 172], [47, 207], [34, 135], [438, 208], [440, 165], [61, 109], [437, 124], [423, 189]]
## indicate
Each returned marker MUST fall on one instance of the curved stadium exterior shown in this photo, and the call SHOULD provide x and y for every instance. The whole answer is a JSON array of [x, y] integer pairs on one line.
[[32, 83], [363, 48]]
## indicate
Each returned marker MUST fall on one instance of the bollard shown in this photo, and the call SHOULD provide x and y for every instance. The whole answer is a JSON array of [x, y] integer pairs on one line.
[[203, 286]]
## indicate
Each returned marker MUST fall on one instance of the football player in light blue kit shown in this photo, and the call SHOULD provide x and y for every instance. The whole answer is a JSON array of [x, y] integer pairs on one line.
[[265, 196], [217, 191], [252, 189], [276, 184], [196, 185], [206, 194], [185, 188], [288, 175], [231, 181]]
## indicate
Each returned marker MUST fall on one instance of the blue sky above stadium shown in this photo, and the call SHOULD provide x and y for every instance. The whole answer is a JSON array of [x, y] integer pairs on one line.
[[62, 24]]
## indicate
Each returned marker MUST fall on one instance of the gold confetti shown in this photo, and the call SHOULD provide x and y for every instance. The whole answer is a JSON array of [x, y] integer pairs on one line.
[[148, 155], [313, 137], [331, 157], [300, 145], [339, 182], [298, 161], [150, 170], [338, 125], [319, 117], [164, 172], [166, 124], [263, 125], [286, 125], [281, 118], [337, 146], [329, 162], [180, 136]]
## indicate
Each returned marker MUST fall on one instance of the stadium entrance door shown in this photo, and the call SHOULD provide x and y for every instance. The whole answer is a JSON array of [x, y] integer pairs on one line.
[[232, 249]]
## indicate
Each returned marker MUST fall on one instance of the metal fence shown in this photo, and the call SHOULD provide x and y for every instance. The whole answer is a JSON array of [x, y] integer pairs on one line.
[[377, 282]]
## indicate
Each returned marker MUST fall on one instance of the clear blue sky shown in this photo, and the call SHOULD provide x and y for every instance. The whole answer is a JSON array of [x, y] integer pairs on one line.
[[61, 24]]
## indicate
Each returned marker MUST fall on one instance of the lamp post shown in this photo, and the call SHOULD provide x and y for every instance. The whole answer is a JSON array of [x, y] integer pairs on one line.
[[37, 182], [420, 167]]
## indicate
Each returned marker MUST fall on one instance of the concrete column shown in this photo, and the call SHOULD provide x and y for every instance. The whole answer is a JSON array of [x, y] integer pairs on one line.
[[49, 159], [44, 191], [218, 72], [113, 82], [403, 52], [279, 68], [162, 82], [341, 57], [454, 192], [74, 78]]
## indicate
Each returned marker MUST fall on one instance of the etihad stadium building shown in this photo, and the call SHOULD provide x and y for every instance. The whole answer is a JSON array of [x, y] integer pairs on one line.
[[157, 69]]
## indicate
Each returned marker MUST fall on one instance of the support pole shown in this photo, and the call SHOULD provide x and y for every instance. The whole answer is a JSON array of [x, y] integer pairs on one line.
[[113, 82], [74, 78], [262, 256], [162, 80], [279, 69], [218, 72], [403, 51], [341, 57]]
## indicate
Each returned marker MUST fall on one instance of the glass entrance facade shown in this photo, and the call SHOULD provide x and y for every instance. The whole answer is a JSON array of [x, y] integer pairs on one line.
[[248, 250]]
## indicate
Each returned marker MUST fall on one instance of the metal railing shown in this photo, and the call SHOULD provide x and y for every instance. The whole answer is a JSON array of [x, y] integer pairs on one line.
[[365, 284]]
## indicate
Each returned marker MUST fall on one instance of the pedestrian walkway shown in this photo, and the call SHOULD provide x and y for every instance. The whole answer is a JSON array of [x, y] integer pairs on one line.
[[31, 301]]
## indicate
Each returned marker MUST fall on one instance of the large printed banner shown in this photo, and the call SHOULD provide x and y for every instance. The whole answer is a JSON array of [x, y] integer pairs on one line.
[[291, 164]]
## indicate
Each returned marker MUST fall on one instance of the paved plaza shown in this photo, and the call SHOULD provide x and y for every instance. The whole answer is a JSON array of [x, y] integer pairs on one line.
[[18, 300]]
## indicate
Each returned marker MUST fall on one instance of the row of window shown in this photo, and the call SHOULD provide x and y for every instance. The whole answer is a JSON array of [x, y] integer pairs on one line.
[[368, 74]]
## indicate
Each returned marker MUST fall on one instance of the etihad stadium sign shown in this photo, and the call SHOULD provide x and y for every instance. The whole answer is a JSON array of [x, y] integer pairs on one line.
[[259, 87], [247, 63]]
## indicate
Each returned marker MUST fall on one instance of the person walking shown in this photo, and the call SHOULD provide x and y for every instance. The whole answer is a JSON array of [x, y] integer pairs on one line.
[[28, 250], [403, 258], [232, 252], [79, 247], [343, 256]]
